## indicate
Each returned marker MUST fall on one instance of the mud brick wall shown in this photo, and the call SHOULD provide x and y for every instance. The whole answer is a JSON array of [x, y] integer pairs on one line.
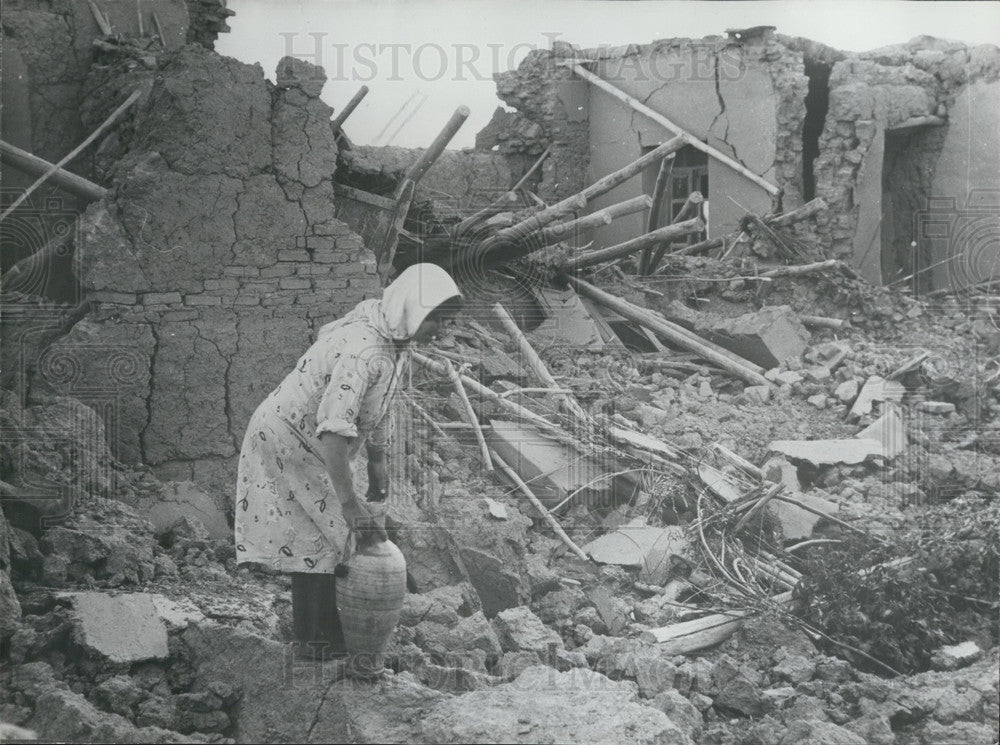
[[50, 42], [211, 267], [811, 119], [871, 95]]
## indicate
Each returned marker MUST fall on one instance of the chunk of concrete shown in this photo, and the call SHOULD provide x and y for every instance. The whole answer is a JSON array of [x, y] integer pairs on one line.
[[879, 389], [182, 499], [955, 656], [828, 452], [569, 323], [543, 705], [798, 523], [647, 548], [498, 588], [496, 509], [846, 391], [767, 337], [936, 407], [121, 628], [518, 629], [759, 394], [555, 469], [888, 431]]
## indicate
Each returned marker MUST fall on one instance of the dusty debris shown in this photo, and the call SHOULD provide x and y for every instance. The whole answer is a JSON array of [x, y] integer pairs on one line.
[[682, 616]]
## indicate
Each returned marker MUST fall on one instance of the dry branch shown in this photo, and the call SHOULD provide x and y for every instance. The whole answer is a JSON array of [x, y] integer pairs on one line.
[[665, 234], [672, 333], [78, 186], [470, 413], [526, 491], [537, 365], [75, 151]]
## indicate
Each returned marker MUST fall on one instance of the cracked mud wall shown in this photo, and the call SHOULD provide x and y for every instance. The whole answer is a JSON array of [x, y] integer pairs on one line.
[[213, 264], [744, 99], [809, 118], [47, 56], [54, 41]]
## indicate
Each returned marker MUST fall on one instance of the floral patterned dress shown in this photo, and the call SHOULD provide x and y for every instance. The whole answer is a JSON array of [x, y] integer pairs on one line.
[[288, 515]]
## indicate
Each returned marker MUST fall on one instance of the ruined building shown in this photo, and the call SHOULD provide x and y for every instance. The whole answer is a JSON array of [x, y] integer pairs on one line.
[[214, 256]]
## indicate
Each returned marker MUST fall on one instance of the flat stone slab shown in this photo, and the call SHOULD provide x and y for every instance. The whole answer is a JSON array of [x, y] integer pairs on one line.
[[828, 452], [888, 431], [121, 628], [648, 548], [875, 389], [798, 523]]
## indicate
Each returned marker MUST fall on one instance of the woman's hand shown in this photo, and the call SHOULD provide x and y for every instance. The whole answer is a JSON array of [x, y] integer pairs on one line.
[[367, 521]]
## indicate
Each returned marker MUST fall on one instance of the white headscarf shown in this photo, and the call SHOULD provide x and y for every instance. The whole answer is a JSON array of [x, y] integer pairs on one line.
[[405, 303]]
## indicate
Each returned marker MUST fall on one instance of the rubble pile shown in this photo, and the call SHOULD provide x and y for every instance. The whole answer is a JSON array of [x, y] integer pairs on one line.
[[684, 505]]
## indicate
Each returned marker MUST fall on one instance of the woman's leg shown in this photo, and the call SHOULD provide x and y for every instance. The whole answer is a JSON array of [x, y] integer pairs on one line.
[[314, 614]]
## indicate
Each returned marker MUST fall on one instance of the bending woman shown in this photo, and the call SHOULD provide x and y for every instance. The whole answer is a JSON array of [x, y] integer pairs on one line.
[[295, 497]]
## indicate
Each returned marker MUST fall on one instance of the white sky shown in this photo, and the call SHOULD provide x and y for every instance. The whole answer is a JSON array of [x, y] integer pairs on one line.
[[443, 52]]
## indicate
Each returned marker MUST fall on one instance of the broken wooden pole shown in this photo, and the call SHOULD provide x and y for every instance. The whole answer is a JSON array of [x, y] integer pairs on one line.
[[759, 505], [349, 107], [537, 365], [530, 172], [24, 161], [691, 208], [797, 270], [560, 231], [807, 210], [660, 119], [702, 633], [476, 387], [526, 491], [470, 413], [75, 151], [609, 182], [775, 221], [653, 220], [99, 18], [159, 28], [740, 462], [667, 233], [823, 322], [431, 154], [672, 333], [509, 242]]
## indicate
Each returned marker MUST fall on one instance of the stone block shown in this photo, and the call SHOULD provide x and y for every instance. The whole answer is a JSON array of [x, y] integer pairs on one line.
[[185, 499], [767, 337], [520, 630], [151, 298], [294, 283], [122, 628], [202, 300], [650, 549]]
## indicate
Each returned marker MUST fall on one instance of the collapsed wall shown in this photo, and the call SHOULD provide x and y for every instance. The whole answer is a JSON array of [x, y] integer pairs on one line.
[[912, 131], [211, 265], [891, 139], [743, 98]]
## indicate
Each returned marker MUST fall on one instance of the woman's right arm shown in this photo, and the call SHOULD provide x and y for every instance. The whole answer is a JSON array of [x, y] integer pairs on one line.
[[357, 513]]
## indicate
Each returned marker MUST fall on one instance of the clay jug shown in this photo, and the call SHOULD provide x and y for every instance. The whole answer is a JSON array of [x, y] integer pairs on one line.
[[369, 601]]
